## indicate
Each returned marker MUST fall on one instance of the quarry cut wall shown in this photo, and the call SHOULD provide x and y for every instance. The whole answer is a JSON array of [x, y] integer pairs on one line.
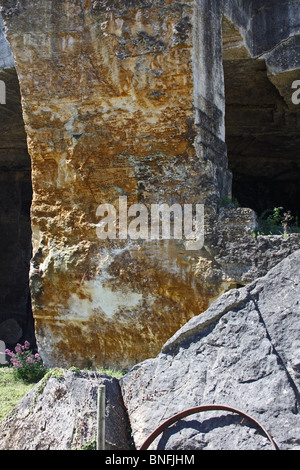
[[124, 102]]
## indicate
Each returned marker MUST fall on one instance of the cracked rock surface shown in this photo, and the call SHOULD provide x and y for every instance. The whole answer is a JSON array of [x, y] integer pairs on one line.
[[60, 413], [243, 352]]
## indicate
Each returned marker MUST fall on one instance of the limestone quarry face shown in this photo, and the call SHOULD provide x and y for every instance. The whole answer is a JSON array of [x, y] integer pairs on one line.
[[126, 99], [108, 109]]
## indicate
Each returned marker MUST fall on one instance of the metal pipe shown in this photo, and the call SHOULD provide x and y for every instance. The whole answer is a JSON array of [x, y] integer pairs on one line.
[[200, 409], [101, 418]]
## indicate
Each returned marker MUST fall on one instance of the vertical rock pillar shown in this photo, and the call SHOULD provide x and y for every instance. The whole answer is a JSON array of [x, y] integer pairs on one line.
[[209, 99], [121, 99]]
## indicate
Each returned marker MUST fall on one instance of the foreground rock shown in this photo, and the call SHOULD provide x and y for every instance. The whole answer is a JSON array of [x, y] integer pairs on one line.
[[61, 414], [243, 352]]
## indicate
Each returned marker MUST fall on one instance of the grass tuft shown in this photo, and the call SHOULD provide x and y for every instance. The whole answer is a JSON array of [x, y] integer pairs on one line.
[[11, 391]]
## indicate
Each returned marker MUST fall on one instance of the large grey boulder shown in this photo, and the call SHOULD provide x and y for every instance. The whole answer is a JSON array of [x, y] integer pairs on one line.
[[60, 413], [243, 352]]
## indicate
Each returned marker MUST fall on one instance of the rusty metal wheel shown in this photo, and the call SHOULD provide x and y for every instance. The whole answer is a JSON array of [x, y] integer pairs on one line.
[[200, 409]]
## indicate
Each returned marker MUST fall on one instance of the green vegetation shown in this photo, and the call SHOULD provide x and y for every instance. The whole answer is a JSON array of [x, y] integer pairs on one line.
[[24, 369], [228, 201], [56, 372], [89, 446], [277, 221], [27, 365], [112, 372], [13, 387], [12, 391]]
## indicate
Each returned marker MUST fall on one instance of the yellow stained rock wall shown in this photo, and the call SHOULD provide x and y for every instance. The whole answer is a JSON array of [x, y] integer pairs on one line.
[[108, 94]]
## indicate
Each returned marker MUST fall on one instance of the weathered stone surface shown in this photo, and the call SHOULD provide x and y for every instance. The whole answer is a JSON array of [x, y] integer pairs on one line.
[[240, 256], [108, 103], [62, 415], [242, 352], [265, 26], [261, 62], [127, 99], [6, 58]]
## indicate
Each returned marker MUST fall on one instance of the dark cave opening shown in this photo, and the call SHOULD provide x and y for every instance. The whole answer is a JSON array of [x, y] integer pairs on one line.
[[262, 133], [16, 319]]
